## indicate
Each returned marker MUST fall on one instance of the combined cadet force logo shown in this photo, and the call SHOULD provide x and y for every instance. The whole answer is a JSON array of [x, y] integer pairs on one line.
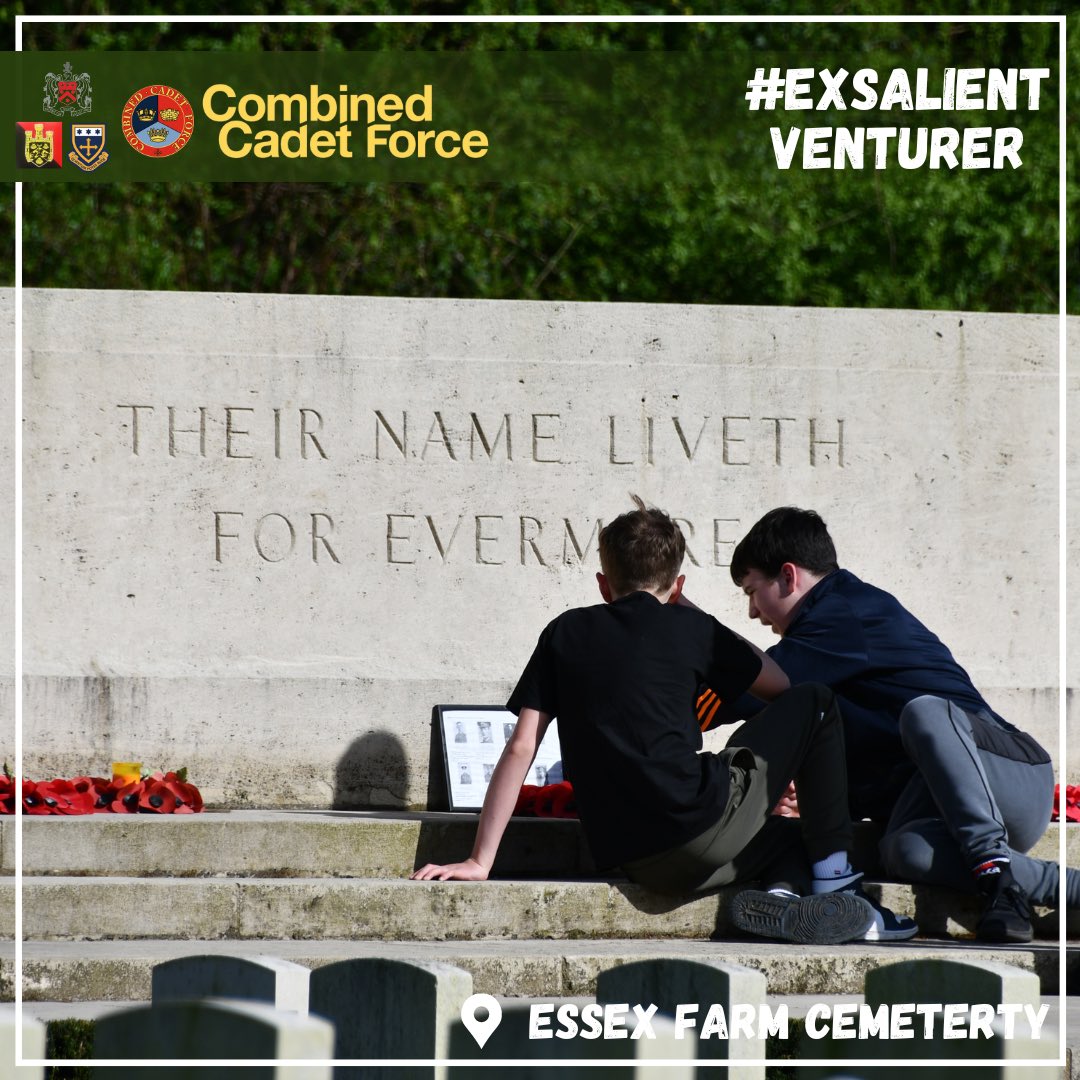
[[39, 144], [88, 146], [67, 92], [157, 121]]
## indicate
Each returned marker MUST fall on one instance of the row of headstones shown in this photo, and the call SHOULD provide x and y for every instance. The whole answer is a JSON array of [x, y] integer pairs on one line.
[[295, 1021]]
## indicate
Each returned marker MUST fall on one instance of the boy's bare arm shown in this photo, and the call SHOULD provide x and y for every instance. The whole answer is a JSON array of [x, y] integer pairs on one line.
[[502, 795], [771, 680]]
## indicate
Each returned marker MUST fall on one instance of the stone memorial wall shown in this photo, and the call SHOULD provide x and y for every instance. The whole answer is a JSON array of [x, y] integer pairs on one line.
[[264, 535], [7, 522]]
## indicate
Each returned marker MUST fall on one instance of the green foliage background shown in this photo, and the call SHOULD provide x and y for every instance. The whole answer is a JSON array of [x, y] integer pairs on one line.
[[946, 240]]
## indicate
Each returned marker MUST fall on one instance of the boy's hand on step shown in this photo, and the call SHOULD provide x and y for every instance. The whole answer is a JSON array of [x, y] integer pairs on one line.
[[469, 870]]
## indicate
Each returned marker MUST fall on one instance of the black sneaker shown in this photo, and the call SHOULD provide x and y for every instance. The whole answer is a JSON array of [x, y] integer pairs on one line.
[[1007, 919], [828, 919]]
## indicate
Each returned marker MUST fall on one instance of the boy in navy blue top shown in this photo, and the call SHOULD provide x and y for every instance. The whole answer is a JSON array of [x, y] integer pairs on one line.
[[623, 677], [961, 792]]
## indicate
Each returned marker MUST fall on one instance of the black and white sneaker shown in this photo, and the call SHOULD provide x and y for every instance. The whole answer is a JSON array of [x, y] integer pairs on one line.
[[888, 926], [827, 919]]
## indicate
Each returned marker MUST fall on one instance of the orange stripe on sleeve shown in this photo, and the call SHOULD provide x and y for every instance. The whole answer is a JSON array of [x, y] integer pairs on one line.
[[712, 712]]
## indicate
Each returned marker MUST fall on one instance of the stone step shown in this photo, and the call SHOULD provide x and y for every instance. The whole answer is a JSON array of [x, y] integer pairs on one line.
[[92, 908], [298, 843], [289, 843], [121, 970]]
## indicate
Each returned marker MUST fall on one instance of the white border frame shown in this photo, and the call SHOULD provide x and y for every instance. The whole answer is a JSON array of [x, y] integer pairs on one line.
[[1059, 20]]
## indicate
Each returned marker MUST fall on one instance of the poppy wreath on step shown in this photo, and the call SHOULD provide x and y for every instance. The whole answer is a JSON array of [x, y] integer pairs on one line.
[[160, 793], [551, 800], [1072, 803]]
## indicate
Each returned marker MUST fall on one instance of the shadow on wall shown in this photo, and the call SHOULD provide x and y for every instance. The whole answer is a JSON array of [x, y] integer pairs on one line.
[[372, 774]]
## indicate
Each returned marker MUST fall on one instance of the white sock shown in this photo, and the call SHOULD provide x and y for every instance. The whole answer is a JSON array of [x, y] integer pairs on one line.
[[835, 865]]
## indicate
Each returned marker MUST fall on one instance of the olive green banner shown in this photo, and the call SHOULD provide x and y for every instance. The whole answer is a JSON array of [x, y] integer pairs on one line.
[[613, 118]]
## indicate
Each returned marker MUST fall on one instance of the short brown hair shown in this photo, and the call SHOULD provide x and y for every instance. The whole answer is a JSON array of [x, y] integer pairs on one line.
[[641, 549]]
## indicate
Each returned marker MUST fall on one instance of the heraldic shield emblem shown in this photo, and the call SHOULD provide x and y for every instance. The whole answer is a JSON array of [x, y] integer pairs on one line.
[[88, 146], [67, 92], [38, 145]]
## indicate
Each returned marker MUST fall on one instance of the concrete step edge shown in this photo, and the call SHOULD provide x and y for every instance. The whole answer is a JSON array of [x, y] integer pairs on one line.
[[321, 843], [281, 844], [312, 908]]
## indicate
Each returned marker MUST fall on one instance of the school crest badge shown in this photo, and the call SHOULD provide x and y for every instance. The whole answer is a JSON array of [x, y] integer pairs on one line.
[[38, 144], [67, 92], [88, 146]]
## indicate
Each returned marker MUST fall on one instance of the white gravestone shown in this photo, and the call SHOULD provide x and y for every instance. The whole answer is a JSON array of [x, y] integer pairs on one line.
[[33, 1045], [213, 1029], [585, 1036], [393, 1009], [280, 983], [943, 1010], [704, 998]]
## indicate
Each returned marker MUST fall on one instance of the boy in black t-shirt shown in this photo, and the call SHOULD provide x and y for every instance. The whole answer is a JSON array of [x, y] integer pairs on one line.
[[623, 677]]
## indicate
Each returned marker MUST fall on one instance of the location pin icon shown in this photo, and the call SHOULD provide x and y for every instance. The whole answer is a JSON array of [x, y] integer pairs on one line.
[[481, 1030]]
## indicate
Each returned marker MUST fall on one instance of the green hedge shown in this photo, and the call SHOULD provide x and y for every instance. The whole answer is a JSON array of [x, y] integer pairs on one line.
[[931, 240]]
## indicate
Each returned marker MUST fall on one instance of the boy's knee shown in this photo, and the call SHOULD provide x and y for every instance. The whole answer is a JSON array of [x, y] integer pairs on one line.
[[815, 696], [921, 720]]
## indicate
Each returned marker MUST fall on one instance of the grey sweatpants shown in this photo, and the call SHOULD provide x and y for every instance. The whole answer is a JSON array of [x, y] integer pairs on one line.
[[968, 803]]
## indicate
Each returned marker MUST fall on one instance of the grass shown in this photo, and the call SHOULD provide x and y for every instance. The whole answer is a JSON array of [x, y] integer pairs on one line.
[[68, 1040]]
